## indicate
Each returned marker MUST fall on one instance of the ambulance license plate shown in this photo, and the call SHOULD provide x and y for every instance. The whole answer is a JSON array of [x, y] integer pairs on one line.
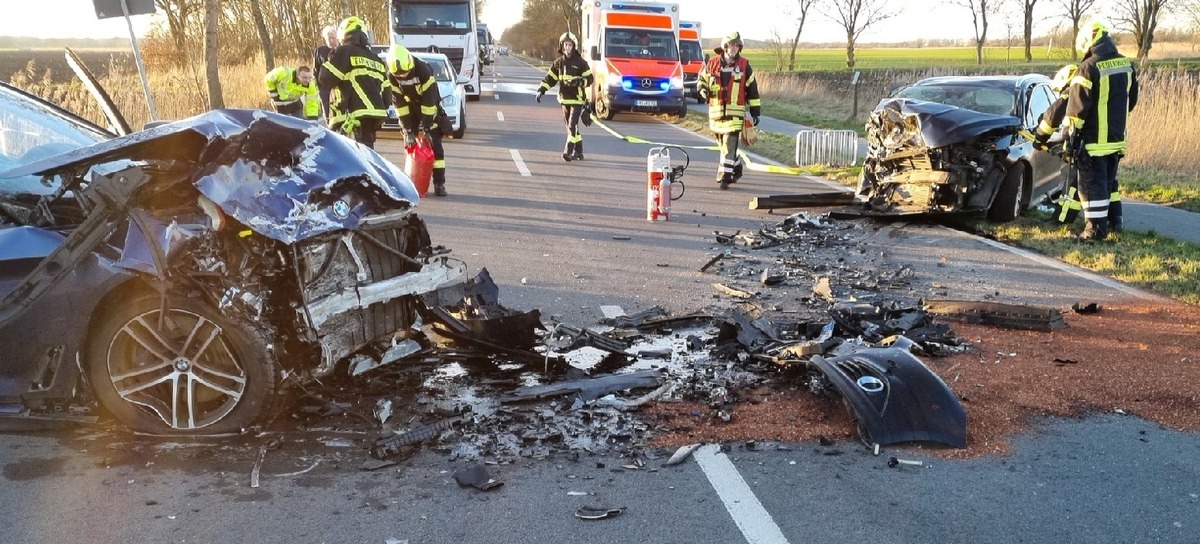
[[646, 103]]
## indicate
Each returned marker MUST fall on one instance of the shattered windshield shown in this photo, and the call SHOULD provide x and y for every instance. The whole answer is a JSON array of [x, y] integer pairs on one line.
[[29, 131], [981, 99]]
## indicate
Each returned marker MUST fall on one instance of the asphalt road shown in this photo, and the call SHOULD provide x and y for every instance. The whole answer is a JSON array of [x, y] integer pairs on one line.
[[567, 238]]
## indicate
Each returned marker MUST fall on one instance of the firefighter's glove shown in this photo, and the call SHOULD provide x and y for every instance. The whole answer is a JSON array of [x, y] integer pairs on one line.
[[410, 139], [703, 92], [754, 119], [538, 96], [586, 116]]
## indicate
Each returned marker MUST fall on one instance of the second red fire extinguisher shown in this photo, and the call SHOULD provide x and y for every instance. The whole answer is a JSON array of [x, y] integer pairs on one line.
[[418, 164], [660, 176]]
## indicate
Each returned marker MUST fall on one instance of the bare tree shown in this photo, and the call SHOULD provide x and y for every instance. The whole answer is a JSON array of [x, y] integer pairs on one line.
[[1141, 18], [1075, 11], [263, 35], [1027, 9], [178, 13], [803, 6], [776, 42], [855, 16], [212, 20], [980, 10]]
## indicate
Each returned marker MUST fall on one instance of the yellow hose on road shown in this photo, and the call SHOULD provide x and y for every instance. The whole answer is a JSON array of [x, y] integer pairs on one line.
[[750, 165]]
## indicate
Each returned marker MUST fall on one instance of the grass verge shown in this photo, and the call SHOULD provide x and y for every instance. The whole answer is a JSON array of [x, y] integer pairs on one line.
[[1159, 264], [1160, 187]]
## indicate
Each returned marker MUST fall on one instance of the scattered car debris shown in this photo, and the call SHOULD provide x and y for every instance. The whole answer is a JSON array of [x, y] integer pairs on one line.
[[727, 290], [588, 388], [716, 258], [1089, 308], [598, 512], [811, 200], [892, 396], [1013, 316], [682, 454], [476, 476], [385, 447], [896, 462]]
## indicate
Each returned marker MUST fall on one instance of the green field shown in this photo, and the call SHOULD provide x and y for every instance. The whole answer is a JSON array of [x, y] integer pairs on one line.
[[907, 58]]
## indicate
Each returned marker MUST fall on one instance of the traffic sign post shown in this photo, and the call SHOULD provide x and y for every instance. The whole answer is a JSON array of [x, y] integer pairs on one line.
[[106, 9]]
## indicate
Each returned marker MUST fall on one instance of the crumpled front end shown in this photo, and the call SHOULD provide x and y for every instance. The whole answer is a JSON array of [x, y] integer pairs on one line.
[[929, 158]]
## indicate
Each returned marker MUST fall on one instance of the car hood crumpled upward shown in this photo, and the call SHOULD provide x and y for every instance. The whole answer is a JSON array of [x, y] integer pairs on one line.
[[280, 176], [933, 124]]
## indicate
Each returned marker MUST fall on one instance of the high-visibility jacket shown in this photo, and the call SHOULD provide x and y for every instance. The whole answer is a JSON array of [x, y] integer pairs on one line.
[[1102, 94], [416, 97], [284, 88], [731, 88], [360, 79], [573, 77]]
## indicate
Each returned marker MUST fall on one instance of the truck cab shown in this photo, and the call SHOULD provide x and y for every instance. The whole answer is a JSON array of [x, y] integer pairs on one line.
[[441, 26], [633, 49], [487, 46]]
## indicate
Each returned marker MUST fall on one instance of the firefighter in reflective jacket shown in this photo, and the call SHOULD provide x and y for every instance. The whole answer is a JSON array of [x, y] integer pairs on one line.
[[1068, 206], [1101, 96], [293, 92], [727, 83], [358, 79], [418, 102], [573, 77]]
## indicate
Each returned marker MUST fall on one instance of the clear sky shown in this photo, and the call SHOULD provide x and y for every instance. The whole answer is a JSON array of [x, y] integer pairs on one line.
[[755, 19]]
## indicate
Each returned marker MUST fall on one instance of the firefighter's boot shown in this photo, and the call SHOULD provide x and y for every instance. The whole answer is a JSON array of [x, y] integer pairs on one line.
[[737, 172], [569, 152], [439, 182], [578, 154], [1115, 224], [1094, 230]]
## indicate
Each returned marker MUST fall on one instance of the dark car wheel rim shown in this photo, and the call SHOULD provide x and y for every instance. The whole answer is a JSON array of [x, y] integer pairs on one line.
[[181, 369]]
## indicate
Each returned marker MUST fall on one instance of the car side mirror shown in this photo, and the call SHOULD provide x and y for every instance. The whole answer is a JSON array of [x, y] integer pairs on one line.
[[462, 80], [595, 53]]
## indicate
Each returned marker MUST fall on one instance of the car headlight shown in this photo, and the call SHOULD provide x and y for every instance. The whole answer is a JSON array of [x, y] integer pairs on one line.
[[449, 102], [676, 83]]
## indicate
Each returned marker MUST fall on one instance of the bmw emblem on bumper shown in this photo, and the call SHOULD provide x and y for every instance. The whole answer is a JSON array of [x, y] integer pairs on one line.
[[341, 209]]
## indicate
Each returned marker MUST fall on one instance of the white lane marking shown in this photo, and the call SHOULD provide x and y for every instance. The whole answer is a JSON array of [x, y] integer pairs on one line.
[[500, 116], [516, 155], [749, 515], [497, 95], [1073, 270]]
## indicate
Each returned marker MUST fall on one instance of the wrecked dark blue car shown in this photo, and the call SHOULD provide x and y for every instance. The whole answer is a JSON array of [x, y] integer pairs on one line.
[[180, 273]]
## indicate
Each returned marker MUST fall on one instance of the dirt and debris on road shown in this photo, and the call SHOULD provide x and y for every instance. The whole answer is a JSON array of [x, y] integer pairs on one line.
[[641, 385]]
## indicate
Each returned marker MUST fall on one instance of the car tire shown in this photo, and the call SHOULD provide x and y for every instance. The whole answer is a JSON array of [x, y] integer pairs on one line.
[[1008, 202], [604, 110], [462, 124], [137, 365]]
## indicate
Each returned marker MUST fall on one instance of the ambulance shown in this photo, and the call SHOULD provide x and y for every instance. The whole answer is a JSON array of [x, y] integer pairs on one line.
[[633, 48], [689, 46]]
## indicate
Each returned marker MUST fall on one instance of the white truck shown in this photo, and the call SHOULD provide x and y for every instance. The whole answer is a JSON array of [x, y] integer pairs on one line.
[[487, 46], [441, 26], [633, 48]]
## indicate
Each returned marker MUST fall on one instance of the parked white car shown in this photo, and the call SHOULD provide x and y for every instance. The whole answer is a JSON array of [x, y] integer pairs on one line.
[[450, 87]]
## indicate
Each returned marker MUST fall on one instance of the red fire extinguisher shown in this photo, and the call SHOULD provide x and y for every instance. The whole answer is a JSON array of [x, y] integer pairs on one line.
[[418, 163], [658, 189]]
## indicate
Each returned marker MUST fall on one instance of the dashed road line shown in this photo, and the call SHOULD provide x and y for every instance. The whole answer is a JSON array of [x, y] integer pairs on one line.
[[755, 522], [516, 156], [499, 116]]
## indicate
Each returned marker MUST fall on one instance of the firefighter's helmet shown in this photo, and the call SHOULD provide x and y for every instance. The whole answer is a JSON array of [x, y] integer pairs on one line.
[[350, 24], [399, 60], [568, 37], [1089, 34], [1062, 79], [732, 37]]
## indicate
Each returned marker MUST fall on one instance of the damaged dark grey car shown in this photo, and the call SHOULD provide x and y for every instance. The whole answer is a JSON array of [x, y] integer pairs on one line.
[[953, 145], [182, 273]]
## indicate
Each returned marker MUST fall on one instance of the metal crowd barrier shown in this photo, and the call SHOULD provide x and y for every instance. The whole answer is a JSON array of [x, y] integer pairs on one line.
[[827, 147]]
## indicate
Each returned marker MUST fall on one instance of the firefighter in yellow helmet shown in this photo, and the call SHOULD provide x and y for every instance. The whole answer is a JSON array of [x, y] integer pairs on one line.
[[358, 79], [418, 106], [293, 92], [727, 83], [573, 77], [1100, 97]]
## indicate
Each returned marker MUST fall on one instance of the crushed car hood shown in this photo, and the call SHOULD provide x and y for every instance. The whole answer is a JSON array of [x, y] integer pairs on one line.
[[285, 178], [898, 122]]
